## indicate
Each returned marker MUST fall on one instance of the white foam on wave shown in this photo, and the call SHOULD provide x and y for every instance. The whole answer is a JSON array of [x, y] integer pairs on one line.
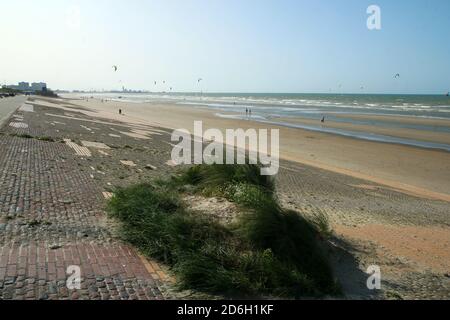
[[286, 105], [240, 117]]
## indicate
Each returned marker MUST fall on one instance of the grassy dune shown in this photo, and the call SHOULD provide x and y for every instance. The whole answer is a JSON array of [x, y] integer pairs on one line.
[[268, 251]]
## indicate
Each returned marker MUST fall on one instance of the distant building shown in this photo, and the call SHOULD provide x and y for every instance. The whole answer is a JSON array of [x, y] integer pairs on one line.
[[25, 86], [38, 86]]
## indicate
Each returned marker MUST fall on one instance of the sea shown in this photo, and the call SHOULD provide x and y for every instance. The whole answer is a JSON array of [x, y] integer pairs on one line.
[[278, 108]]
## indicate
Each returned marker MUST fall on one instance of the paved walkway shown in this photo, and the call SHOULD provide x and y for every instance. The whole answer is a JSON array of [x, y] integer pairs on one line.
[[52, 217], [9, 105]]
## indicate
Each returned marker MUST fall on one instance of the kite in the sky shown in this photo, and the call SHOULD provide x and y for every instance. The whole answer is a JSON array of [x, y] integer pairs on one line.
[[397, 76], [115, 68], [155, 83], [200, 79]]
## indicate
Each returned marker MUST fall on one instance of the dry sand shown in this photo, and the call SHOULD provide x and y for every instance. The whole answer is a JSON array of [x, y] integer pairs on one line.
[[425, 246]]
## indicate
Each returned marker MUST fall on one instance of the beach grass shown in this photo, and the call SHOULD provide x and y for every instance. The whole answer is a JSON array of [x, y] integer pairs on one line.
[[268, 251]]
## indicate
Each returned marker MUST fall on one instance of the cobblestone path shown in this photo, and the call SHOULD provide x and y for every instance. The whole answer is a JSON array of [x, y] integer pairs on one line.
[[52, 217]]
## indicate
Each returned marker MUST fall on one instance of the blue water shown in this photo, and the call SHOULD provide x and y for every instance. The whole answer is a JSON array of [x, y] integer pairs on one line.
[[269, 108]]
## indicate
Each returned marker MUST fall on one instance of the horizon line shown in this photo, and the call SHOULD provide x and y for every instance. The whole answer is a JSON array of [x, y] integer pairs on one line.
[[249, 92]]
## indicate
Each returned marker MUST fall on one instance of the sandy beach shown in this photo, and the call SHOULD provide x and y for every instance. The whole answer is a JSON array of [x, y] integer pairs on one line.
[[417, 171], [386, 203]]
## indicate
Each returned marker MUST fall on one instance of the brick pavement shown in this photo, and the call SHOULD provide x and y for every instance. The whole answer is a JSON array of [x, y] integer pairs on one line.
[[52, 217]]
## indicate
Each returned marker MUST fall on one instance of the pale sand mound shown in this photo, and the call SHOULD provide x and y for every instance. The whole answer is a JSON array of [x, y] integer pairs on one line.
[[128, 163], [139, 134], [102, 152], [171, 163], [26, 108], [220, 209], [96, 145], [49, 104], [428, 247]]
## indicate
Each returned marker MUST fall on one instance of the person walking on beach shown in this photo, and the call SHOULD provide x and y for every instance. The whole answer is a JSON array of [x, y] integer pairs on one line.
[[246, 112], [323, 119], [250, 113], [120, 111]]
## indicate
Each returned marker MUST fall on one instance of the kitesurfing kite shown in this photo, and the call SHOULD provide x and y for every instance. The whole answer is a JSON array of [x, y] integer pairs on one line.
[[200, 79], [115, 68], [397, 76]]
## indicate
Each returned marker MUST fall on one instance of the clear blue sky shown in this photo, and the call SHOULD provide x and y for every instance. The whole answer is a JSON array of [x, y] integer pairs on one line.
[[234, 45]]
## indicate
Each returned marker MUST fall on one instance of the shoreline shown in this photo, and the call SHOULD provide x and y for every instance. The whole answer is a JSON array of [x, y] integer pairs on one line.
[[405, 133], [365, 136]]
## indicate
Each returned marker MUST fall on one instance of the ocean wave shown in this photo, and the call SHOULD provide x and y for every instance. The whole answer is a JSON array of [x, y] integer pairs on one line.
[[240, 117]]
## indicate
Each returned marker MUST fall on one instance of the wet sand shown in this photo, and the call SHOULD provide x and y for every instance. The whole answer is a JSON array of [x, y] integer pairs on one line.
[[398, 119], [405, 133]]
